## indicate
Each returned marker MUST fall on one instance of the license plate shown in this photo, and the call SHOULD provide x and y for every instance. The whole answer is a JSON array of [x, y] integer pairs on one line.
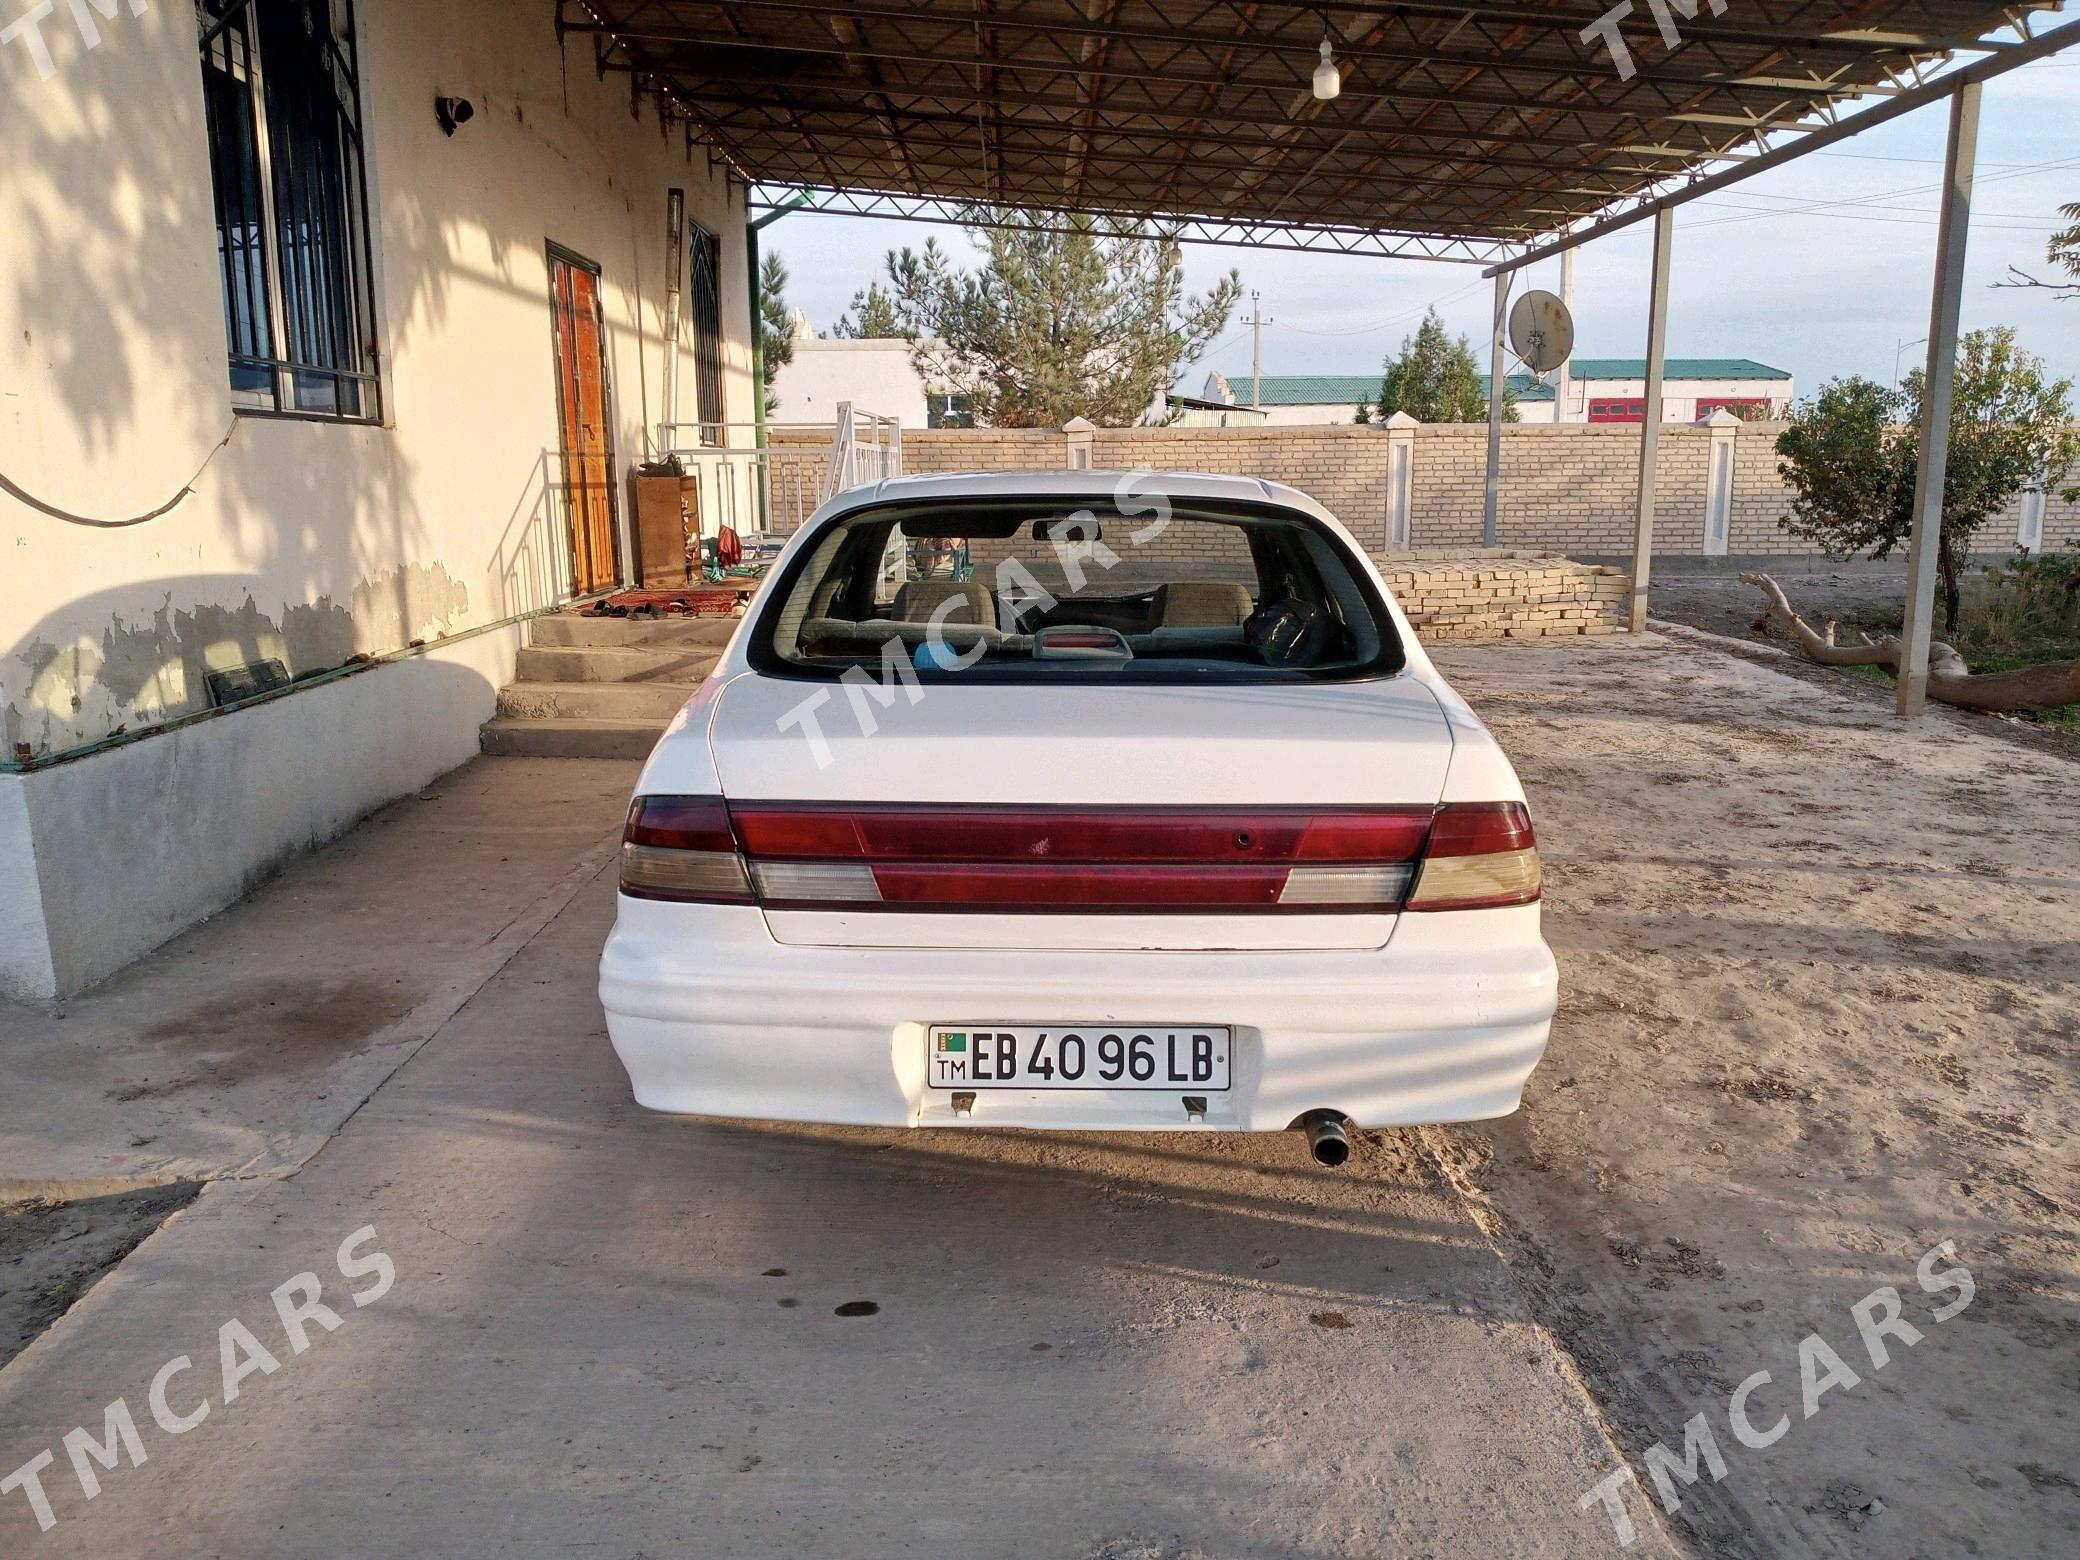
[[1091, 1056]]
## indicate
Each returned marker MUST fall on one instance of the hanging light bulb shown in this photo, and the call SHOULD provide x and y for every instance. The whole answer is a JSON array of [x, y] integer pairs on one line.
[[1328, 80]]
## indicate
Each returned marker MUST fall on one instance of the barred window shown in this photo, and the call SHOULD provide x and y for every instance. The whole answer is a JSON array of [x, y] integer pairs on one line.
[[706, 316], [283, 105]]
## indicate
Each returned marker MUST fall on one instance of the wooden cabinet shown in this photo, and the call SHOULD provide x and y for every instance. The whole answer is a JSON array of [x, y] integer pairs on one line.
[[667, 532]]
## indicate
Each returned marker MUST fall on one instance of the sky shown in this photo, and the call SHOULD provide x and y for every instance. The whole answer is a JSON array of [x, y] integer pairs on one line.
[[1822, 267]]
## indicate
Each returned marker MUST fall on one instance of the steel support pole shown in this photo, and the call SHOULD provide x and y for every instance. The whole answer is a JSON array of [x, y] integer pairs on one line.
[[755, 292], [1938, 385], [1650, 424], [752, 266], [674, 298], [1496, 387]]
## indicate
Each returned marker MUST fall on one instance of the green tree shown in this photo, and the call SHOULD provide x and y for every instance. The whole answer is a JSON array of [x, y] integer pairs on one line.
[[1055, 325], [873, 314], [1851, 454], [775, 324], [1435, 379], [2064, 249]]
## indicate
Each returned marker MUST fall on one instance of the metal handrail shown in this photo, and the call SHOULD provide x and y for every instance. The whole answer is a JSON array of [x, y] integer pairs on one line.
[[757, 481]]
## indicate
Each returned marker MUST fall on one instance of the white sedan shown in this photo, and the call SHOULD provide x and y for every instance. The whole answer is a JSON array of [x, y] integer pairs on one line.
[[1099, 801]]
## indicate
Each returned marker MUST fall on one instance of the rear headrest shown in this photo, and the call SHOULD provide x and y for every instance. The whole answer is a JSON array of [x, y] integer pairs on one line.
[[919, 599], [1203, 604]]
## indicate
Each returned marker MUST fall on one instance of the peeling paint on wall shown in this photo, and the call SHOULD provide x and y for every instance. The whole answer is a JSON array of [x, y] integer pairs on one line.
[[63, 685]]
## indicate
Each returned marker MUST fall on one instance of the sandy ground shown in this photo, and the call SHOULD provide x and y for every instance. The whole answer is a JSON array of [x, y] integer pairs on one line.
[[1719, 603], [1819, 1013], [52, 1253], [1820, 976]]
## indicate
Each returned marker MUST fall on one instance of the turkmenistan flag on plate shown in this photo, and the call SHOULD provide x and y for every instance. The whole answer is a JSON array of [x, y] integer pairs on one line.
[[951, 1042]]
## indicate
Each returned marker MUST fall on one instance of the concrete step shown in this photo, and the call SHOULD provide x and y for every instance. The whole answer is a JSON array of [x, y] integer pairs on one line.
[[614, 664], [568, 628], [655, 702], [571, 738]]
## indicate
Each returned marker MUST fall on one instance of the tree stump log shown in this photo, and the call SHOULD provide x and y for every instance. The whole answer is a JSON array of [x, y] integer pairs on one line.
[[1950, 681]]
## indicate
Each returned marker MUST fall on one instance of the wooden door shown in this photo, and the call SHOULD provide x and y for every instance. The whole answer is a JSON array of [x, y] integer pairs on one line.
[[582, 411]]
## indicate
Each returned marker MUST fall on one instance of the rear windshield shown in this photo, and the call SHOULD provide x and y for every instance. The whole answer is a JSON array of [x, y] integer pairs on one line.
[[1052, 591]]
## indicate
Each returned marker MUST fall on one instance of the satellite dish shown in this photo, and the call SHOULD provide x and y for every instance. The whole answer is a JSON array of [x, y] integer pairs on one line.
[[1541, 332]]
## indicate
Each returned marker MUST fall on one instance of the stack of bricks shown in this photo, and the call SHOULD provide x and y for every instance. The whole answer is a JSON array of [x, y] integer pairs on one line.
[[1506, 595]]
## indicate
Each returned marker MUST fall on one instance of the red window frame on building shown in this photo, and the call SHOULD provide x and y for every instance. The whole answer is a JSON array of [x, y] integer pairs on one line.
[[1608, 411]]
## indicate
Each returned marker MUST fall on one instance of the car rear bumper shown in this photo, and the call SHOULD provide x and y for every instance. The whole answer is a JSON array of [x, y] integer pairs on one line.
[[712, 1017]]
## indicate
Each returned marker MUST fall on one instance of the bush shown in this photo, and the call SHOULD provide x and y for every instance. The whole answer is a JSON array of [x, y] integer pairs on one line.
[[2025, 611]]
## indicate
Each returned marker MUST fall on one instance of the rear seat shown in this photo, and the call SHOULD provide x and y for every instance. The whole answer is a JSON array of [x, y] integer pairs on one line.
[[917, 600], [1202, 604]]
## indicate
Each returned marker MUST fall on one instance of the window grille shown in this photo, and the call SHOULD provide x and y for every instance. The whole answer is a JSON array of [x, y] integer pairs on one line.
[[283, 106], [705, 309]]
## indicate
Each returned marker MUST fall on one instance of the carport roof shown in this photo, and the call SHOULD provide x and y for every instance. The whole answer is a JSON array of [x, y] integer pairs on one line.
[[1465, 128]]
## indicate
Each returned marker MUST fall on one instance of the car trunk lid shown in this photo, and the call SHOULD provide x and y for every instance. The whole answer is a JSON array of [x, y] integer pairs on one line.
[[1262, 816]]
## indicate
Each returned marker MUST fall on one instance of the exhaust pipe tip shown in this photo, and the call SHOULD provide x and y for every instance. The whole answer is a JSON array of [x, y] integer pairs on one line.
[[1328, 1142]]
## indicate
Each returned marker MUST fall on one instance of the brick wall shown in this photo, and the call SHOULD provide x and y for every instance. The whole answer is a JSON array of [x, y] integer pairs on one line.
[[1568, 488]]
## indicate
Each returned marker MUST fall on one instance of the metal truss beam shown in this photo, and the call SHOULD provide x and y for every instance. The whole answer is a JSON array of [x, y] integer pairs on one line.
[[1301, 238], [1052, 28], [718, 94], [1573, 19], [1455, 129], [1467, 130], [1129, 150], [1932, 91], [1046, 57]]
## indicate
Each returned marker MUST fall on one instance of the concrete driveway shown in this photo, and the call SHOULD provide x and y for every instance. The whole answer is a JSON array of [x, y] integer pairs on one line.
[[1819, 983], [618, 1333]]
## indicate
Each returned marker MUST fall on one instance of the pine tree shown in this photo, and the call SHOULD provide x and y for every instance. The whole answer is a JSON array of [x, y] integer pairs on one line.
[[776, 335], [873, 314], [1435, 379], [1057, 324]]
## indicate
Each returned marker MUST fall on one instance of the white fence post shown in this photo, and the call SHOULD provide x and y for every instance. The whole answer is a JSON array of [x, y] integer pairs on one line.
[[1081, 433], [841, 474], [2029, 531], [1718, 492], [1401, 465]]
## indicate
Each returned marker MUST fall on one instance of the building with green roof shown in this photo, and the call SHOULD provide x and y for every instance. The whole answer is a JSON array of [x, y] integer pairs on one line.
[[1600, 390]]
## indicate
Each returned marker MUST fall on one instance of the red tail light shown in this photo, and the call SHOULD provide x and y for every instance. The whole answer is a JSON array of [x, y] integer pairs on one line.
[[1481, 856], [1311, 861], [1046, 835], [680, 847]]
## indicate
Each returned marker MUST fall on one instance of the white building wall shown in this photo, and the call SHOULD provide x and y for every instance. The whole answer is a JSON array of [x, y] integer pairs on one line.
[[1332, 413], [303, 540], [1306, 416], [874, 373], [1679, 397], [1679, 401]]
